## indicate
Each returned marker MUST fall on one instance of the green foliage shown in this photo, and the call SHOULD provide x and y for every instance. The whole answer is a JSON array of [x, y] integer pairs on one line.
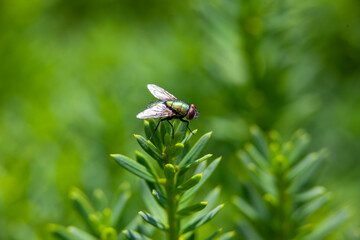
[[174, 174], [73, 76], [281, 200], [101, 216]]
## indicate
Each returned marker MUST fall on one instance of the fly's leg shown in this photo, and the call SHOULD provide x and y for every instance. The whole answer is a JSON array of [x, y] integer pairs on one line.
[[161, 119], [187, 125], [157, 125], [172, 127]]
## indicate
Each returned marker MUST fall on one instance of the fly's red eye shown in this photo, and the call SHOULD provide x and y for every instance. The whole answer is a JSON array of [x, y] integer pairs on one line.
[[191, 113]]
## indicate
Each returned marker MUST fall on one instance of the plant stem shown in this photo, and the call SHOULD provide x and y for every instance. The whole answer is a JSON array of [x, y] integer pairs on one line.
[[283, 228], [173, 204]]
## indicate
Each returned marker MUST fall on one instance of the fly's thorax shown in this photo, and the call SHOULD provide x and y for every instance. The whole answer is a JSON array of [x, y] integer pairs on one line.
[[178, 106]]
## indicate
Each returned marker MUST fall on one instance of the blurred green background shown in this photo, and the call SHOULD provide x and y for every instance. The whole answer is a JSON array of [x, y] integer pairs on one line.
[[73, 76]]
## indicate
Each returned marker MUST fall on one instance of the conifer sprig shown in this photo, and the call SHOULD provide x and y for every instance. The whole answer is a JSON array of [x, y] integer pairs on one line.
[[281, 201], [101, 216], [173, 174]]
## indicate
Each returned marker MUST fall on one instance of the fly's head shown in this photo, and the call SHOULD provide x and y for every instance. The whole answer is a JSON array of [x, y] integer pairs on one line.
[[192, 112]]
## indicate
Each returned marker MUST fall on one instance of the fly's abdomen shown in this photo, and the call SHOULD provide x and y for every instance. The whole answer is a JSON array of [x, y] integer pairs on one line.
[[178, 106]]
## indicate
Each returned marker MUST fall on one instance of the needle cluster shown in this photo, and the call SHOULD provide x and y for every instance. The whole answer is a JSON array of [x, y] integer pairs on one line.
[[280, 200], [175, 171], [101, 216]]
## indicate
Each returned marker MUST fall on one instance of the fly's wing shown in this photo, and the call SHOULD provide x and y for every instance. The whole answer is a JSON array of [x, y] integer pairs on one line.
[[160, 93], [156, 111]]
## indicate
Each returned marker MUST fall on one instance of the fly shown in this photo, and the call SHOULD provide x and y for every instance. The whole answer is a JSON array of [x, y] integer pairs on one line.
[[167, 107]]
